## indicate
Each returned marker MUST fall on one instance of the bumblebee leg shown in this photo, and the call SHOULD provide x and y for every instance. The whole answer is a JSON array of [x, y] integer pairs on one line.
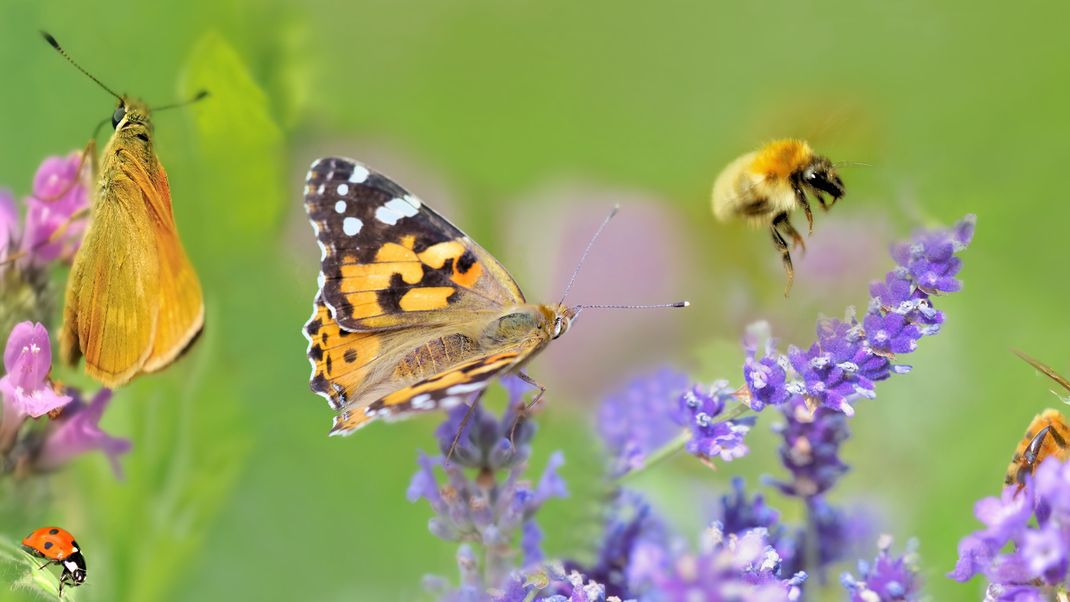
[[782, 246], [800, 198], [796, 238]]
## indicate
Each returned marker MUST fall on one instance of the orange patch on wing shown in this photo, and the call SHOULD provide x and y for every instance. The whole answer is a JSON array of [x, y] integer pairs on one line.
[[377, 276], [436, 255], [467, 279], [438, 383], [347, 422], [426, 298], [392, 251], [780, 158], [364, 304]]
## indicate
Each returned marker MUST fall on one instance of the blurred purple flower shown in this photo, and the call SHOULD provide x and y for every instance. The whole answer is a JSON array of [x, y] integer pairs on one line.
[[638, 419], [78, 431], [553, 583], [9, 223], [488, 507], [1035, 521], [712, 438], [727, 567], [888, 578], [740, 514], [58, 193], [810, 450], [25, 386]]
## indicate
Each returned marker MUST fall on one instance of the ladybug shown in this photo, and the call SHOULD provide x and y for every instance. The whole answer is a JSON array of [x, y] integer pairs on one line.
[[57, 546]]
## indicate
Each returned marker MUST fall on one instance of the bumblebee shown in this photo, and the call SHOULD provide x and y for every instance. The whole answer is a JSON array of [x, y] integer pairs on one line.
[[765, 186], [1048, 434]]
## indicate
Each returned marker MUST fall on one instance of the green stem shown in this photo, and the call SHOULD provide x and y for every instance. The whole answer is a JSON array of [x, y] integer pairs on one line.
[[678, 442]]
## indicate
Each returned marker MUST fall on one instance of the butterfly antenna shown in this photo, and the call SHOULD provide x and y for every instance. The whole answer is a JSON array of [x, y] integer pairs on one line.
[[196, 97], [587, 251], [580, 308], [851, 164], [52, 41]]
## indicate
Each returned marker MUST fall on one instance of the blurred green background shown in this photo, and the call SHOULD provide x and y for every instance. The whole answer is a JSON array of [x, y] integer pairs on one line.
[[524, 121]]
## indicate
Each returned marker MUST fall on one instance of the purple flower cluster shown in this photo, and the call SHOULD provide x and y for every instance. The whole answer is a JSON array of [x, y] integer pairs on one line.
[[1024, 549], [485, 507], [29, 395], [51, 231], [888, 578], [848, 356], [650, 411]]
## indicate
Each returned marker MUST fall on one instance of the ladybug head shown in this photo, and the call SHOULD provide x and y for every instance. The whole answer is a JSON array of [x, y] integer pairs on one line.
[[74, 568]]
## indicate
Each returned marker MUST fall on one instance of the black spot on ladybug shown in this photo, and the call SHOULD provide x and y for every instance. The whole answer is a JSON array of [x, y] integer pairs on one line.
[[350, 356], [466, 261], [48, 545], [316, 353], [53, 531]]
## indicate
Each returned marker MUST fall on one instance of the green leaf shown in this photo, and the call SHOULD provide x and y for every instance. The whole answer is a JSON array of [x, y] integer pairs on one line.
[[240, 186]]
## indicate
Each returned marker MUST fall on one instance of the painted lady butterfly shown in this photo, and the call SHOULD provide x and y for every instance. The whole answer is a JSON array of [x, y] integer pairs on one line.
[[411, 315]]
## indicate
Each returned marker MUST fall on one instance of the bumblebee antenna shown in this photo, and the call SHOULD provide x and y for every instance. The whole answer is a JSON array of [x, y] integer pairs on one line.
[[52, 42], [587, 251], [201, 95]]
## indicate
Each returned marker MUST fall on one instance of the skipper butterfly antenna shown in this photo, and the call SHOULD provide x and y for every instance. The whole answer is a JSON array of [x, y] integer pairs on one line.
[[587, 251], [52, 42], [201, 95]]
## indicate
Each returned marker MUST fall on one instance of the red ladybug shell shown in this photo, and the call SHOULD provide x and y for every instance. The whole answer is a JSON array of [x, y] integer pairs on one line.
[[51, 542]]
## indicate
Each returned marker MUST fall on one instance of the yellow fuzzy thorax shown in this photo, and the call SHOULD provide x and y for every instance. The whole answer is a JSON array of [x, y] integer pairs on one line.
[[778, 159]]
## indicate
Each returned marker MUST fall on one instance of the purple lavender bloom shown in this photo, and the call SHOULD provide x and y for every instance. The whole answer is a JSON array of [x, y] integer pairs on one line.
[[638, 419], [486, 442], [553, 583], [740, 514], [58, 193], [888, 578], [78, 431], [811, 448], [727, 567], [849, 357], [488, 508], [631, 521], [1035, 521], [25, 387], [712, 438]]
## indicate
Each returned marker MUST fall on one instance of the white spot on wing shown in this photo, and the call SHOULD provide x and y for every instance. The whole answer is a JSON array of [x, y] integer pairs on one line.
[[413, 200], [422, 402], [351, 226], [359, 175], [340, 206], [465, 388], [343, 189], [395, 209], [320, 190]]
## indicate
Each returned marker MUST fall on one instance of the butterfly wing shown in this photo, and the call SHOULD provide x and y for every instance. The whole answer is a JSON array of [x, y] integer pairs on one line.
[[181, 302], [111, 305], [389, 261]]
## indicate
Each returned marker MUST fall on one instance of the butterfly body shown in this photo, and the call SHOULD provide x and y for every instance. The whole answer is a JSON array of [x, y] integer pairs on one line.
[[412, 315], [133, 300]]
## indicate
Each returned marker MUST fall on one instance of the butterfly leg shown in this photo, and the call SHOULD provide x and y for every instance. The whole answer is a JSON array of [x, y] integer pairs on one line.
[[460, 428], [523, 412], [782, 246]]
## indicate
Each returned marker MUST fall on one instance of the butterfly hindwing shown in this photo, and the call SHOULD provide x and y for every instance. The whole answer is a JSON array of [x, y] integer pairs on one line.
[[460, 384], [389, 261]]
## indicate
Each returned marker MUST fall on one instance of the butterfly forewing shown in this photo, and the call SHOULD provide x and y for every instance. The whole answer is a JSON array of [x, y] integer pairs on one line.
[[389, 261]]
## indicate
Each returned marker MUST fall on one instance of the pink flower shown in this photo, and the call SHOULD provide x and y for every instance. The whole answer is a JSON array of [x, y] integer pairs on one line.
[[9, 222], [27, 361], [58, 193], [78, 431]]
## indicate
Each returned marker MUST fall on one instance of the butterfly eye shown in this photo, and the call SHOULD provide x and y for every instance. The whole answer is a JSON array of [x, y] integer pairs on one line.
[[117, 116]]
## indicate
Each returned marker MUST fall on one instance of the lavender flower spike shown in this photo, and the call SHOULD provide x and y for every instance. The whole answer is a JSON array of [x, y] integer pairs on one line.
[[27, 360], [639, 418], [888, 578]]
